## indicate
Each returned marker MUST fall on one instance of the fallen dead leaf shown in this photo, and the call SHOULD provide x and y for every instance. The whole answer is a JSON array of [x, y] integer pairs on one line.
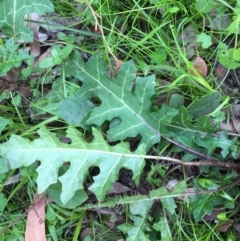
[[229, 127], [237, 227], [224, 226], [214, 214], [236, 111], [11, 180], [236, 124], [117, 66], [35, 228], [87, 231], [184, 197], [118, 188], [35, 45], [219, 71], [200, 66], [43, 56]]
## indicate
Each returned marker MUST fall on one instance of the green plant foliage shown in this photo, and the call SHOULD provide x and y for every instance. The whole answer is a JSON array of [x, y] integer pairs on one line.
[[163, 227], [120, 98], [137, 230], [11, 57], [205, 105], [3, 202], [236, 54], [159, 193], [204, 204], [49, 103], [81, 155], [227, 145], [58, 55], [141, 226], [205, 40], [182, 123], [12, 14], [3, 124], [204, 6], [226, 57]]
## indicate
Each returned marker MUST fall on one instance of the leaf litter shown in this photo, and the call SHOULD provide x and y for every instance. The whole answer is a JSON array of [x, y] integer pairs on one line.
[[126, 88]]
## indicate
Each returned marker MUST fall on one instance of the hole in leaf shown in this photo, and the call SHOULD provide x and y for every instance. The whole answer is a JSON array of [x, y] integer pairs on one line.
[[96, 101], [93, 171], [134, 142], [125, 177]]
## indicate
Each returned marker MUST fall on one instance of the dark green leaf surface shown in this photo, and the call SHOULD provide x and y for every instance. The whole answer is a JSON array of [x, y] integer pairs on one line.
[[12, 14], [127, 97], [81, 155], [205, 105]]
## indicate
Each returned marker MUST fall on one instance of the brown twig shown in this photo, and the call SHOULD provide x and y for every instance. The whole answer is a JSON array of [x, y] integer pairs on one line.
[[228, 186], [97, 26], [197, 153]]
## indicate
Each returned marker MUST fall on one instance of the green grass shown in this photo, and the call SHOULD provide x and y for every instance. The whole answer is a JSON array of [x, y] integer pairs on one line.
[[152, 34]]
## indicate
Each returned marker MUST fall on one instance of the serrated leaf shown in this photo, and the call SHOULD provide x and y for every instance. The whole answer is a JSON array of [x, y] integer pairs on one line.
[[204, 204], [181, 124], [201, 206], [163, 227], [137, 230], [81, 155], [228, 146], [12, 14], [209, 142], [162, 192], [188, 141], [141, 208], [205, 105], [10, 57], [127, 97], [169, 204], [156, 194]]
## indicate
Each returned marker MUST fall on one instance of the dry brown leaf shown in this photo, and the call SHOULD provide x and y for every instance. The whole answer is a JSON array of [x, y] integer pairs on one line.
[[237, 227], [184, 197], [224, 226], [219, 71], [85, 232], [236, 124], [11, 180], [43, 56], [224, 126], [118, 64], [35, 228], [200, 67], [119, 188], [214, 214], [35, 45]]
